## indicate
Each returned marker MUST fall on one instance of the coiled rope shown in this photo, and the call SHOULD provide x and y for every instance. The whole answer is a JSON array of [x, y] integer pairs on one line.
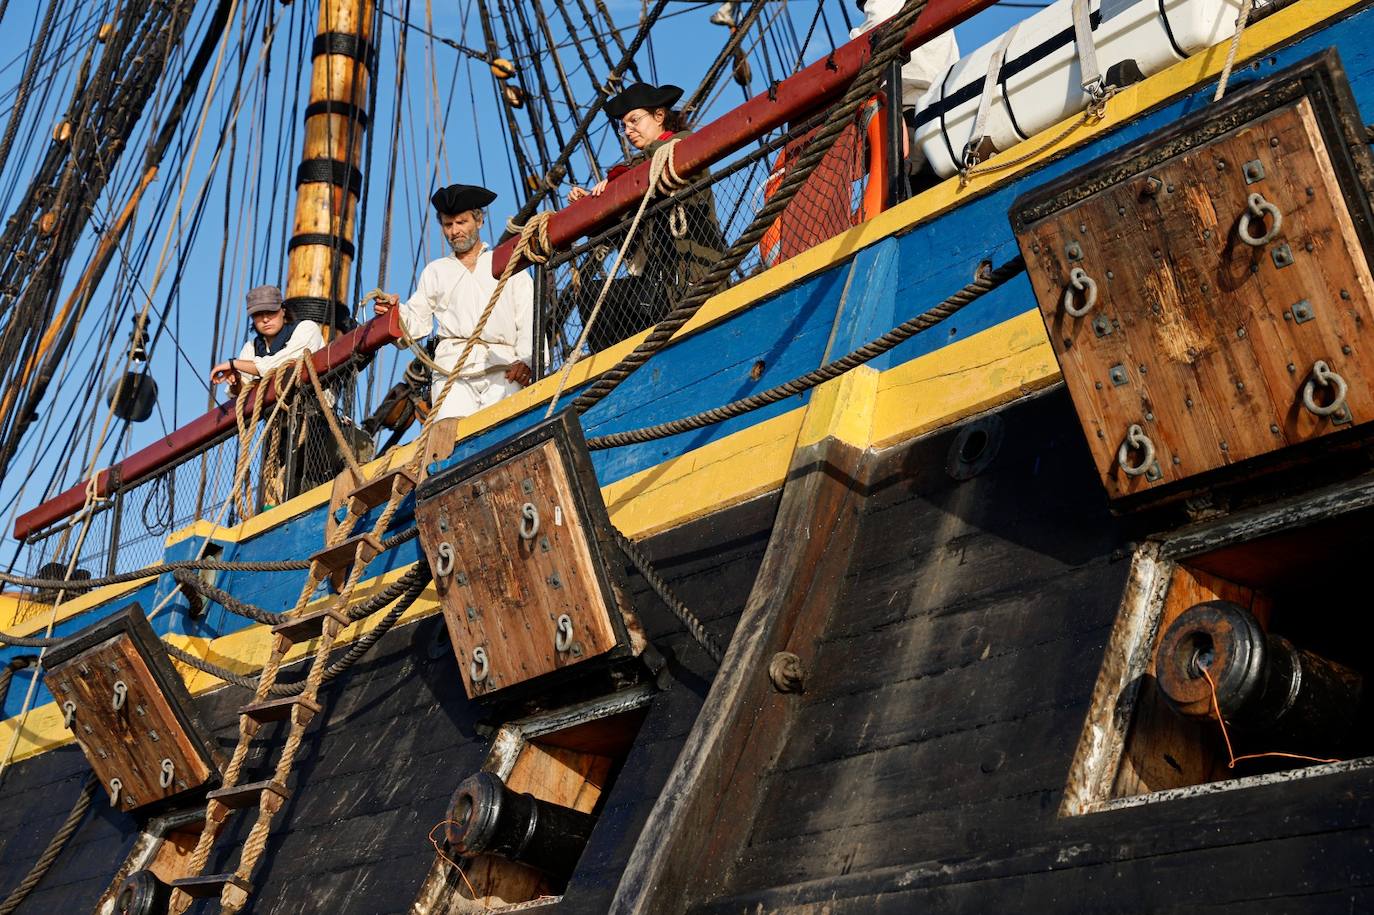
[[975, 290]]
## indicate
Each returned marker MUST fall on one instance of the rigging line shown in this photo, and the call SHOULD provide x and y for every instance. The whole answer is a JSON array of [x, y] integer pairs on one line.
[[591, 77], [530, 107], [26, 81], [810, 31], [537, 58], [373, 88], [512, 129], [649, 44], [737, 35], [533, 201], [404, 23], [543, 22], [431, 70], [752, 50], [59, 337]]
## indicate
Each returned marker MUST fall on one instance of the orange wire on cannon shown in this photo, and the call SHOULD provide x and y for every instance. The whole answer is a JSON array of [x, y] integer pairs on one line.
[[440, 852], [1225, 735]]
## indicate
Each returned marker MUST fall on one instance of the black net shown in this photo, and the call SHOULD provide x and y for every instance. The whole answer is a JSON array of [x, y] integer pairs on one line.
[[680, 238]]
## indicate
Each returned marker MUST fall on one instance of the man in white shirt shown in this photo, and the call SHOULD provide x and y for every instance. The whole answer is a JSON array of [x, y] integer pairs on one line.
[[454, 291]]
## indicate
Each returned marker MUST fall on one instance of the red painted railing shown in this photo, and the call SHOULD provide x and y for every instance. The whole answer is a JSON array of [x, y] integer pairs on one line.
[[791, 100], [203, 431]]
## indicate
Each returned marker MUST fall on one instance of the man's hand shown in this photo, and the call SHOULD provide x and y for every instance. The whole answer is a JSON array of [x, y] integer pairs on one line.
[[384, 303], [519, 373], [224, 372]]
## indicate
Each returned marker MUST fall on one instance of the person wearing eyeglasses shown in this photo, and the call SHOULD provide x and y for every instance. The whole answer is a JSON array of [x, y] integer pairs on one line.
[[661, 264]]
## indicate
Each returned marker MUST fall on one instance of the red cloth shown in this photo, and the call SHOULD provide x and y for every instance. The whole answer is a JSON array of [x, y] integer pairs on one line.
[[617, 170]]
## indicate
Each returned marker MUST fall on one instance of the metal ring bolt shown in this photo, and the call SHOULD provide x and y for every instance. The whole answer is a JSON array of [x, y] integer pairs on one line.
[[69, 713], [1136, 439], [529, 521], [1079, 280], [1322, 375], [121, 693], [563, 637], [477, 669], [116, 786], [167, 774], [443, 566], [1257, 208]]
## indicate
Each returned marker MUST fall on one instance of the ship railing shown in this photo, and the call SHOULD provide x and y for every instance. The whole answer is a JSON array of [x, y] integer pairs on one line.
[[188, 476], [681, 237]]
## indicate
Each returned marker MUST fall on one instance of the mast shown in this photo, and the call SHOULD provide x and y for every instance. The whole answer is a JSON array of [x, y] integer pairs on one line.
[[329, 180]]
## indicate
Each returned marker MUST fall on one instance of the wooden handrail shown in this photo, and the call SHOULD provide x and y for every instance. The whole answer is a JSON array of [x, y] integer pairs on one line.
[[202, 431]]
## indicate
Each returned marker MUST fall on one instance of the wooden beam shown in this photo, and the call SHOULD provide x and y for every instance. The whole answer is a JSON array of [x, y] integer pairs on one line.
[[702, 817]]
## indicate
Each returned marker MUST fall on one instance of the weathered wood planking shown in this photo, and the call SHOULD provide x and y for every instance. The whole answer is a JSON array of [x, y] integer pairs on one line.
[[1203, 341], [130, 711], [528, 584]]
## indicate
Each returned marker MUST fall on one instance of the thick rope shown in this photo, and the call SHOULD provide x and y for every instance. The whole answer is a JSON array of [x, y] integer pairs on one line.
[[55, 845], [327, 408], [1244, 17], [1095, 112], [533, 246], [408, 587], [888, 48], [663, 178], [693, 624], [984, 284]]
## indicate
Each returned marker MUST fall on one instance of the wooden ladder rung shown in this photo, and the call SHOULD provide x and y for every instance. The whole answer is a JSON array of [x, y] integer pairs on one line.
[[376, 492], [331, 559], [281, 709], [237, 797], [208, 885], [307, 626]]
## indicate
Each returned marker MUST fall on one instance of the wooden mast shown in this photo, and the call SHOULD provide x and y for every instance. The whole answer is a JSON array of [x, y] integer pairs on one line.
[[329, 181]]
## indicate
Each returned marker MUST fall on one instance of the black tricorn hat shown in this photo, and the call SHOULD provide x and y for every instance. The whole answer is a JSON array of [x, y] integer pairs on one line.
[[642, 95], [459, 198]]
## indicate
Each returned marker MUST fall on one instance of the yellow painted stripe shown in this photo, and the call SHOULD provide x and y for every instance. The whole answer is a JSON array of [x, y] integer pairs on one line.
[[984, 371]]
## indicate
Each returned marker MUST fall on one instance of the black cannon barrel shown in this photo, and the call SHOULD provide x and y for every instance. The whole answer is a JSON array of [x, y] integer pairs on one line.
[[142, 894], [1264, 684], [487, 818]]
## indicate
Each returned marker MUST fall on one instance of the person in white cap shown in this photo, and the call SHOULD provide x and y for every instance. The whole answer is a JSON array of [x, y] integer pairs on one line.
[[454, 291], [279, 339]]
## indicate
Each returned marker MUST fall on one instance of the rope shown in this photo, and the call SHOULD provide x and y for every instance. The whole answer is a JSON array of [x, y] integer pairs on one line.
[[1095, 111], [694, 626], [55, 846], [1241, 19], [663, 177], [226, 600], [889, 46], [408, 587], [533, 246], [332, 421], [982, 285]]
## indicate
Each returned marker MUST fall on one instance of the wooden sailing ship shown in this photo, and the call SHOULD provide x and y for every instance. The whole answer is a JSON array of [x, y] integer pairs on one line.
[[1043, 600]]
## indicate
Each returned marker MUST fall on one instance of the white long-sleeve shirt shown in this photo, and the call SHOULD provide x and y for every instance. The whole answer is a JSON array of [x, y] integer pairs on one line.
[[455, 297], [928, 62], [306, 336]]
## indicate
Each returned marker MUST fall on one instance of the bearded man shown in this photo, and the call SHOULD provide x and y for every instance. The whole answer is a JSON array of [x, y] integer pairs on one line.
[[454, 291]]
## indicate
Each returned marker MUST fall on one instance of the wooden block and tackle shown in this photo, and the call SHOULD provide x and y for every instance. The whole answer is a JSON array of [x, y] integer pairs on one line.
[[1207, 290], [130, 712], [524, 562]]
